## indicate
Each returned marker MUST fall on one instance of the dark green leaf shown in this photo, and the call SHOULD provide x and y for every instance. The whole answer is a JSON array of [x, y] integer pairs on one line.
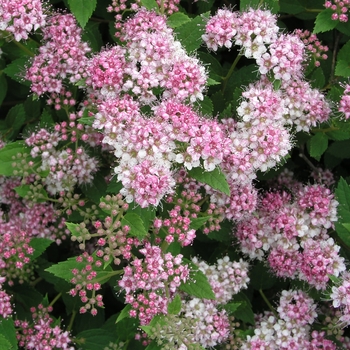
[[174, 307], [318, 145], [231, 307], [146, 214], [246, 4], [3, 87], [8, 156], [16, 117], [338, 135], [340, 149], [343, 64], [82, 10], [96, 189], [93, 339], [324, 21], [190, 33], [215, 179], [39, 244], [198, 284], [4, 343], [317, 78], [135, 223], [92, 35], [16, 70], [292, 7], [261, 278]]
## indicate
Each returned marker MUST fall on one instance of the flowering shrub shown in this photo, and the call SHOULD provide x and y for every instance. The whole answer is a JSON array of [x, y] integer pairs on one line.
[[174, 174]]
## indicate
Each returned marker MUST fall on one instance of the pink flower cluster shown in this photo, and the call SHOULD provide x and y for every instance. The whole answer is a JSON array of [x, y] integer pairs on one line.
[[41, 334], [85, 278], [5, 301], [340, 296], [293, 235], [151, 282], [344, 104], [291, 329], [65, 167], [21, 17], [278, 56], [339, 8], [313, 46], [62, 57]]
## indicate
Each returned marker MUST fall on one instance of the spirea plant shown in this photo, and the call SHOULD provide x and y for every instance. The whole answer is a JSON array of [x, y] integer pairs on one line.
[[174, 174]]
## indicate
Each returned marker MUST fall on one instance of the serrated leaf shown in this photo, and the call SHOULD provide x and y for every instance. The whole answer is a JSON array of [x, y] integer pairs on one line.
[[343, 64], [93, 339], [232, 307], [147, 215], [6, 154], [317, 78], [135, 223], [177, 19], [343, 233], [206, 106], [16, 70], [196, 223], [342, 193], [4, 343], [24, 191], [46, 119], [174, 307], [324, 22], [338, 135], [40, 245], [149, 4], [318, 145], [82, 10], [15, 117], [215, 179], [124, 313], [198, 284], [3, 87], [96, 189], [92, 35], [7, 330], [190, 33]]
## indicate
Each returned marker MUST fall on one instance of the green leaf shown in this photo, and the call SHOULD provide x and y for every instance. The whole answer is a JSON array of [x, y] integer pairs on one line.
[[3, 87], [39, 244], [272, 5], [317, 78], [114, 186], [87, 120], [7, 330], [16, 70], [82, 10], [124, 313], [343, 63], [196, 223], [46, 119], [206, 106], [15, 118], [177, 19], [342, 194], [96, 189], [4, 343], [343, 233], [146, 214], [153, 345], [324, 22], [347, 226], [190, 33], [318, 145], [134, 221], [92, 35], [198, 284], [232, 307], [150, 4], [93, 339], [8, 156], [338, 135], [36, 195], [215, 179], [174, 307]]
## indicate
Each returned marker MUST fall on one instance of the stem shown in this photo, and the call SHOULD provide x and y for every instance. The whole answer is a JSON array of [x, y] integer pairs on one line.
[[36, 281], [334, 56], [71, 321], [303, 156], [268, 303], [313, 10], [23, 48], [55, 299], [229, 73]]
